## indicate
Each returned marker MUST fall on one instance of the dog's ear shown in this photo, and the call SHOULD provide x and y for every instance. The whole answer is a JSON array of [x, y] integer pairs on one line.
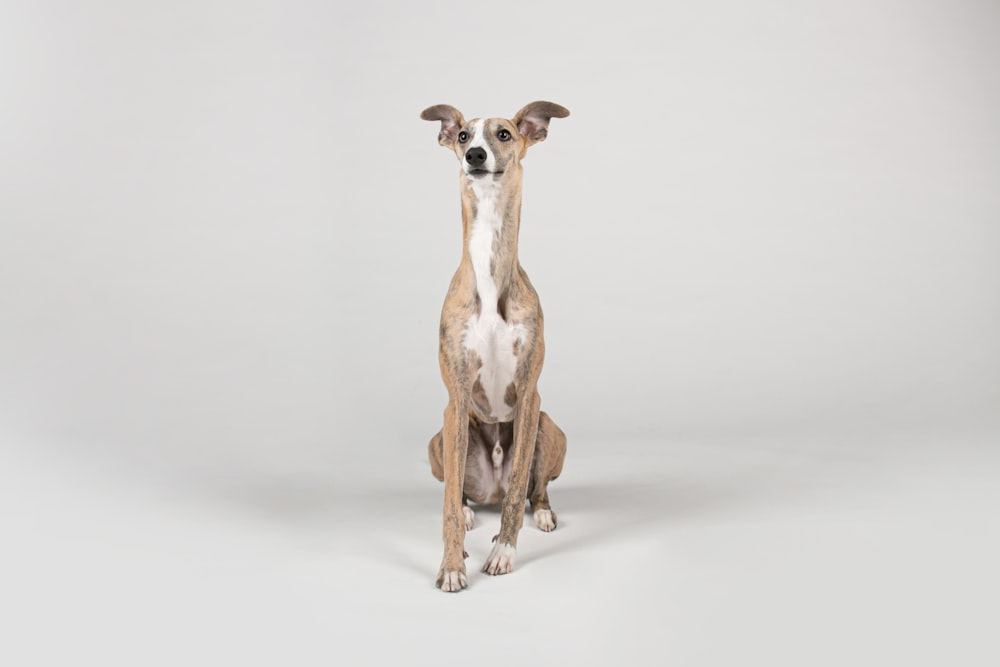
[[451, 122], [533, 120]]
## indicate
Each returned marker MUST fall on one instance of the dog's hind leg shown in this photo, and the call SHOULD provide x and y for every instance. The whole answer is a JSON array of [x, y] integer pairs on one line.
[[435, 454], [550, 452]]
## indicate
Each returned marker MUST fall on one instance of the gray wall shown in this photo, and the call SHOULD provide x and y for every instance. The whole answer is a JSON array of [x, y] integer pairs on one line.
[[225, 234]]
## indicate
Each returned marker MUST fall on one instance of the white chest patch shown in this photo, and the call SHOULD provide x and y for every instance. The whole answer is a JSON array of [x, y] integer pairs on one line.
[[487, 334]]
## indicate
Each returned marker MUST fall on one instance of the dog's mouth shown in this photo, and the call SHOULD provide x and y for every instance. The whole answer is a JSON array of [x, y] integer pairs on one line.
[[483, 172]]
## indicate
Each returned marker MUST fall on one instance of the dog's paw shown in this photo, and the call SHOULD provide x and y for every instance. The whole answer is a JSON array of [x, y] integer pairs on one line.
[[501, 559], [545, 519], [470, 517], [451, 580]]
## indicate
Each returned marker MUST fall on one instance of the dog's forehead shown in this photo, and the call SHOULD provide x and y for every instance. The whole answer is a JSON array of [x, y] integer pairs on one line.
[[488, 123]]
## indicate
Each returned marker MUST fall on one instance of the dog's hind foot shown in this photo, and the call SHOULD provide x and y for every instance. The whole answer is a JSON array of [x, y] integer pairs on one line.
[[470, 517], [545, 519]]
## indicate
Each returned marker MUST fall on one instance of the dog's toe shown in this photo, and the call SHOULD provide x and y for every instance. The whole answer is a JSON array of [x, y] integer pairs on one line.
[[545, 519], [451, 581], [501, 559], [470, 517]]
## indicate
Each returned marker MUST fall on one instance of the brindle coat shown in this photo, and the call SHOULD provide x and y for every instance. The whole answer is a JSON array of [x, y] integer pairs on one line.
[[492, 450]]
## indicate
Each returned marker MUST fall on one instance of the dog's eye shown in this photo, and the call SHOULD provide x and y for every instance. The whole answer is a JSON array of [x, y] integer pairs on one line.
[[503, 135], [463, 137]]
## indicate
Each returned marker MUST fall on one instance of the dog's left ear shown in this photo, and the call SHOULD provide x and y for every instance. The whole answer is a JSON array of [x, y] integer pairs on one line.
[[533, 120], [451, 122]]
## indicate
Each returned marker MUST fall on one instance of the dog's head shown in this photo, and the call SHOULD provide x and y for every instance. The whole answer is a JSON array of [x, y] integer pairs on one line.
[[491, 147]]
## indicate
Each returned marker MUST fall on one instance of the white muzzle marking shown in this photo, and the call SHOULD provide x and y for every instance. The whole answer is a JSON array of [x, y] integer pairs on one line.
[[479, 141]]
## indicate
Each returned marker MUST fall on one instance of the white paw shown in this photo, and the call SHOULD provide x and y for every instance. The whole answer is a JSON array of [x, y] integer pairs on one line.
[[470, 517], [451, 581], [545, 520], [501, 559]]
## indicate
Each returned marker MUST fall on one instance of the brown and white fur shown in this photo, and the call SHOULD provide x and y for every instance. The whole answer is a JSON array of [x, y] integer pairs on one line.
[[496, 446]]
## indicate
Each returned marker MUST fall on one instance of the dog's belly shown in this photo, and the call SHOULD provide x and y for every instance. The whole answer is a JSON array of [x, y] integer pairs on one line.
[[493, 345], [487, 468]]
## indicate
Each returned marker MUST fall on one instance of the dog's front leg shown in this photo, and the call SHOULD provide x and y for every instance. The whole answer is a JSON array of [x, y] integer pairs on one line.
[[451, 576], [501, 558]]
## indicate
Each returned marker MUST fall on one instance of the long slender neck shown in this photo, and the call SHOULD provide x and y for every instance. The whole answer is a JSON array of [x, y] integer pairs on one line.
[[491, 214]]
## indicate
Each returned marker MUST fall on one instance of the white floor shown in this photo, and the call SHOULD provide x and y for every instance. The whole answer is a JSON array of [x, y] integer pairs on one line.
[[849, 550]]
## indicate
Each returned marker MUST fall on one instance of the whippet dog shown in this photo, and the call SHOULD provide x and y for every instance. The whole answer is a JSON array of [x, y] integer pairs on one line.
[[495, 445]]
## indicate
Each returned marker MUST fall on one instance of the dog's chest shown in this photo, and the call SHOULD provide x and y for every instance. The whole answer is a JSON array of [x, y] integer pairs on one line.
[[493, 342]]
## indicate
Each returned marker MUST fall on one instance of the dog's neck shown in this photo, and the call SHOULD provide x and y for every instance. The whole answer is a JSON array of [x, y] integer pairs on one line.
[[491, 212]]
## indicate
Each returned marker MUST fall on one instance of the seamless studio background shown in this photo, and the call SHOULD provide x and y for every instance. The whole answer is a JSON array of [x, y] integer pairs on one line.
[[767, 242]]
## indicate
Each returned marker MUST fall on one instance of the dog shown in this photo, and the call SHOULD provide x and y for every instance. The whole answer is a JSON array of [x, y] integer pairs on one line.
[[496, 446]]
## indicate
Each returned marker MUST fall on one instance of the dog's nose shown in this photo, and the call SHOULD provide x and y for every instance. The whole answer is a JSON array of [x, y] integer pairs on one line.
[[475, 157]]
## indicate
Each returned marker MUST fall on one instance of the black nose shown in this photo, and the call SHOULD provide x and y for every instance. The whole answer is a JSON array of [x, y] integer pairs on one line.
[[475, 157]]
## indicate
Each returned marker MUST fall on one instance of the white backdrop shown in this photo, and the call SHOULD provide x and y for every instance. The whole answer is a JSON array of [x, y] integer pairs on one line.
[[225, 234], [225, 231]]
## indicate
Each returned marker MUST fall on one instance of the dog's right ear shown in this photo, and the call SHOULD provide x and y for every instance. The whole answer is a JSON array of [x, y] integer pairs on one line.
[[451, 122]]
